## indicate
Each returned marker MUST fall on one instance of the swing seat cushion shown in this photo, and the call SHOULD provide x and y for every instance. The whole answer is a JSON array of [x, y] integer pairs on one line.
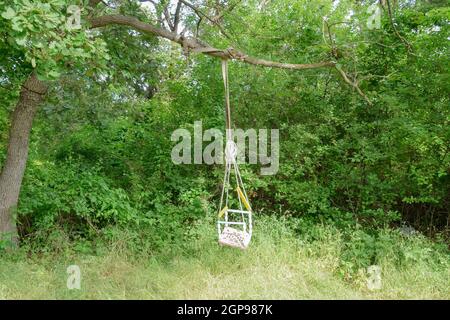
[[234, 238]]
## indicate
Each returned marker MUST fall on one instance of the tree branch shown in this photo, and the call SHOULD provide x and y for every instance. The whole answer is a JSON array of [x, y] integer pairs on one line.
[[196, 45], [227, 10], [177, 17], [201, 14], [353, 84], [162, 14], [198, 26], [168, 18], [336, 55], [391, 19]]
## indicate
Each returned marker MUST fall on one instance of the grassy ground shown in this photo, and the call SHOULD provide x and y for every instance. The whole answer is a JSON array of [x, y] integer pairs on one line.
[[276, 266]]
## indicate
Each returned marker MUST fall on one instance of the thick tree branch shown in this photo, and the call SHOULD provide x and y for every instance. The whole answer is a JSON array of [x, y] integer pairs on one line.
[[195, 45]]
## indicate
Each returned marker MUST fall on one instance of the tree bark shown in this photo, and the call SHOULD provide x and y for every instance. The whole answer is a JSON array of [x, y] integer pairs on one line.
[[31, 95]]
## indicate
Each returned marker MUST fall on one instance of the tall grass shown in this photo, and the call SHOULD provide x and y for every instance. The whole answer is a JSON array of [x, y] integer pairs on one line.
[[280, 264]]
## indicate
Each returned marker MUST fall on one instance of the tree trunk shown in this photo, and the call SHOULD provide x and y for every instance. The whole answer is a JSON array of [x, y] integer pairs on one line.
[[31, 96]]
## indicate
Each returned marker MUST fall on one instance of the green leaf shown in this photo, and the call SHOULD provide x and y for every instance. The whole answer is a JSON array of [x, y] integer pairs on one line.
[[21, 41], [9, 13], [16, 25], [53, 74]]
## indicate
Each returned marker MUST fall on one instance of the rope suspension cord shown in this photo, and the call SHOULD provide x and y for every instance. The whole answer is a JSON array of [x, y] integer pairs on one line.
[[233, 232], [227, 97]]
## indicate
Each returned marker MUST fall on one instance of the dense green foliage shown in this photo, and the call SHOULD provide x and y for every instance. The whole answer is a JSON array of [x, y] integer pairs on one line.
[[100, 151]]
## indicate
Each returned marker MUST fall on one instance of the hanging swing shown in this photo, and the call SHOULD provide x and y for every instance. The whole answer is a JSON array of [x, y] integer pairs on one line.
[[233, 225]]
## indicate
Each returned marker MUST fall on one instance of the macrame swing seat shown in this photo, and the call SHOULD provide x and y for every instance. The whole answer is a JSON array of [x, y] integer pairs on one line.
[[233, 225]]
